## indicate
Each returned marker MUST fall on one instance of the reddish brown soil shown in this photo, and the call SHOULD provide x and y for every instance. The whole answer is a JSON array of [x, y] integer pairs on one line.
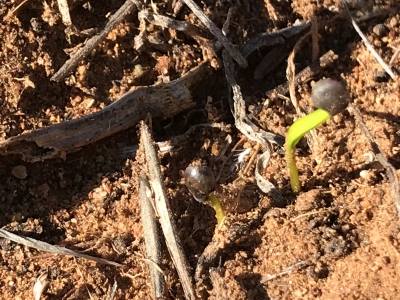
[[340, 237]]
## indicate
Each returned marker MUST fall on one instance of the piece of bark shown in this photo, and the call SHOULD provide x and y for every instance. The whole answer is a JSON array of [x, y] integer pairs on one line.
[[161, 100]]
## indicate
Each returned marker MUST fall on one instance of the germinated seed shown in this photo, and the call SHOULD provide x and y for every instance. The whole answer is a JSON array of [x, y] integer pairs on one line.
[[330, 95], [200, 181]]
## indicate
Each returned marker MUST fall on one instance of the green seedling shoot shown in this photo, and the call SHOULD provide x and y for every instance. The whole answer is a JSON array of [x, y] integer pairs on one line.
[[200, 182], [329, 97], [219, 212]]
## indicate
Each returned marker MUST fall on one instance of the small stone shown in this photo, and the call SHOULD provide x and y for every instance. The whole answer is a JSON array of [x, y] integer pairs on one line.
[[19, 172], [380, 30]]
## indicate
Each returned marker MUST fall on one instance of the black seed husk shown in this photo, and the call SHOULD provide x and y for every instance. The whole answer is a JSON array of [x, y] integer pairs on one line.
[[330, 95]]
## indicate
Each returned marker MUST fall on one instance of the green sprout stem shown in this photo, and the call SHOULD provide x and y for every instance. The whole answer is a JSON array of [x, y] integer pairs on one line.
[[295, 133], [219, 212]]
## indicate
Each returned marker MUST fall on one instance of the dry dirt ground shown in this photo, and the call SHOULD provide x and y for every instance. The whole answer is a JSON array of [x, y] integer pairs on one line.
[[338, 239]]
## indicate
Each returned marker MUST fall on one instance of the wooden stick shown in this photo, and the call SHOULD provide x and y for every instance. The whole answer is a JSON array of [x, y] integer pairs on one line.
[[165, 213], [162, 100], [151, 237], [70, 64]]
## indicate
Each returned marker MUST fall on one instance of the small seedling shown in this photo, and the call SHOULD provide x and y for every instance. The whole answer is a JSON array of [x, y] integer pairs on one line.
[[330, 97], [200, 182]]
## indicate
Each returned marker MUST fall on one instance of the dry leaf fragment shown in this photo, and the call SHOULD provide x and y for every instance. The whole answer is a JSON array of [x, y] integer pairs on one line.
[[41, 285]]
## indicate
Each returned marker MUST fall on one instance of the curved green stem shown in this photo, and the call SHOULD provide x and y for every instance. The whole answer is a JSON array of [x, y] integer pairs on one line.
[[295, 133], [219, 212]]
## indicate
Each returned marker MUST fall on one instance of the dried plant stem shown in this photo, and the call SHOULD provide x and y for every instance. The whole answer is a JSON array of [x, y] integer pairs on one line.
[[161, 100], [367, 44], [245, 126], [151, 237], [70, 64], [42, 246], [233, 52], [390, 170], [164, 212]]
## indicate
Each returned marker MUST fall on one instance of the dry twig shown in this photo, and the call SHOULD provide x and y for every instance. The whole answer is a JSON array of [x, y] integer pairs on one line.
[[42, 246], [271, 39], [394, 56], [390, 170], [291, 77], [246, 127], [70, 64], [64, 11], [367, 44], [233, 52], [151, 237], [306, 74], [287, 271], [165, 213], [13, 11], [162, 100], [112, 291], [167, 22]]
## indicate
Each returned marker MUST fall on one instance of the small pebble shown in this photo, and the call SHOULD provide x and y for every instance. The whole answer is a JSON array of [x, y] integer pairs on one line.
[[19, 172], [380, 30]]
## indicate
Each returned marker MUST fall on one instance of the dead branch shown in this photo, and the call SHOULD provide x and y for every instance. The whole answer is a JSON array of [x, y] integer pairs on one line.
[[70, 64], [162, 100], [165, 213]]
